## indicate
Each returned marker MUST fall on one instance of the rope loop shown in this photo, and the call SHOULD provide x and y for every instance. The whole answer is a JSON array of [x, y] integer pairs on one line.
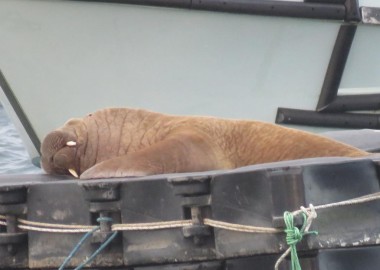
[[311, 215]]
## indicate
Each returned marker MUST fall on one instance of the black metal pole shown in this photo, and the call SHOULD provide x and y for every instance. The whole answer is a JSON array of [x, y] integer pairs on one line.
[[354, 103], [330, 11], [274, 8], [336, 66], [342, 120]]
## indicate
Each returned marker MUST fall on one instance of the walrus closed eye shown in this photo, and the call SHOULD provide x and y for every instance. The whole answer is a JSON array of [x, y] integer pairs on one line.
[[123, 142]]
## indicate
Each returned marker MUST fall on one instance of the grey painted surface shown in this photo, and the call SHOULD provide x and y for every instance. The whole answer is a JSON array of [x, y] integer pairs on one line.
[[369, 3], [65, 59]]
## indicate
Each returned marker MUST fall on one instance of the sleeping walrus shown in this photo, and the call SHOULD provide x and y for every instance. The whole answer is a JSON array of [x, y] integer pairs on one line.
[[127, 142]]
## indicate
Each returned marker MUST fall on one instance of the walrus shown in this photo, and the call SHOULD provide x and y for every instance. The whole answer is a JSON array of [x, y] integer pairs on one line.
[[122, 142]]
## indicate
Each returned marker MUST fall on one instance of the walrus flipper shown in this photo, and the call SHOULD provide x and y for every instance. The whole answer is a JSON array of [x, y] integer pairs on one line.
[[184, 152]]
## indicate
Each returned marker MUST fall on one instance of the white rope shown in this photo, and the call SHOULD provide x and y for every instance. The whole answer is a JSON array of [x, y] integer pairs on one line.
[[311, 214], [151, 225], [363, 199], [283, 256], [64, 228], [239, 228], [52, 225], [52, 230]]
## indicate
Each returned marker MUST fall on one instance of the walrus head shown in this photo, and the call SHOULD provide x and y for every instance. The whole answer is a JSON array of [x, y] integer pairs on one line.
[[60, 149]]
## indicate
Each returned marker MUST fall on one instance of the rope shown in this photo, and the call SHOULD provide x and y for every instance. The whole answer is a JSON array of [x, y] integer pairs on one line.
[[311, 214], [238, 227], [367, 198], [295, 235], [82, 240], [76, 248], [64, 228], [53, 230], [50, 225], [152, 225], [100, 249]]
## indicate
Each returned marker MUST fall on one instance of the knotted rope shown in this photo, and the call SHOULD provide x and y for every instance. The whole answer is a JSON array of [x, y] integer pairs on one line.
[[295, 235]]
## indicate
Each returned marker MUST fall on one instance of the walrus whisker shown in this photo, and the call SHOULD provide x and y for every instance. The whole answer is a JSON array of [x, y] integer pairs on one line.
[[74, 173], [71, 143]]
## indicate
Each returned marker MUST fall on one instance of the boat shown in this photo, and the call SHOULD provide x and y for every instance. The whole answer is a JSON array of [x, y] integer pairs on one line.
[[309, 64]]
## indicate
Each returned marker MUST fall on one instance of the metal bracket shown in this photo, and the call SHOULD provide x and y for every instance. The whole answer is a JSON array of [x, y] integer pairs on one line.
[[284, 182], [196, 199], [12, 205], [104, 203]]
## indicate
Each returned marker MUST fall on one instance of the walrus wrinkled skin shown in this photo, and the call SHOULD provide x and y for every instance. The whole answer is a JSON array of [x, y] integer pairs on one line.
[[121, 142]]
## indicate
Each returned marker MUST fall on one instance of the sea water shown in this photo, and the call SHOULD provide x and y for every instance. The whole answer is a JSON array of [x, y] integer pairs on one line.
[[14, 158]]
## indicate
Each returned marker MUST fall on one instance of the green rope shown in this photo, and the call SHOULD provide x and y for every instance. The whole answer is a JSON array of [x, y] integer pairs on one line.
[[293, 236]]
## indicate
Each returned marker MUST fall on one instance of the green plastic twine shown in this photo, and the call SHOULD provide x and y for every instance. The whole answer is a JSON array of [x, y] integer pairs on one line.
[[293, 236]]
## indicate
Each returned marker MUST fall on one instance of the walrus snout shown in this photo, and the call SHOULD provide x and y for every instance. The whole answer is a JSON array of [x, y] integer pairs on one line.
[[58, 152]]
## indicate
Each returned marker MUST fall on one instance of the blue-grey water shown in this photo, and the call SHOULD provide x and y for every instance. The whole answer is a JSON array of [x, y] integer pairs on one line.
[[14, 158]]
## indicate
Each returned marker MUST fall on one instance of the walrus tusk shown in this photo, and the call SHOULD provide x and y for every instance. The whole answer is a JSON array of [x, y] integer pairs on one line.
[[71, 143], [74, 173]]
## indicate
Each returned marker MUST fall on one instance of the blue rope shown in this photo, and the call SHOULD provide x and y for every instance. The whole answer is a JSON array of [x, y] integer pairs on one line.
[[76, 248], [108, 219], [102, 246], [82, 240]]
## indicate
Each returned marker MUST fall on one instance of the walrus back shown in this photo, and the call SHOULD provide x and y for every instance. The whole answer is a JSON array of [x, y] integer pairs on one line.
[[253, 142]]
